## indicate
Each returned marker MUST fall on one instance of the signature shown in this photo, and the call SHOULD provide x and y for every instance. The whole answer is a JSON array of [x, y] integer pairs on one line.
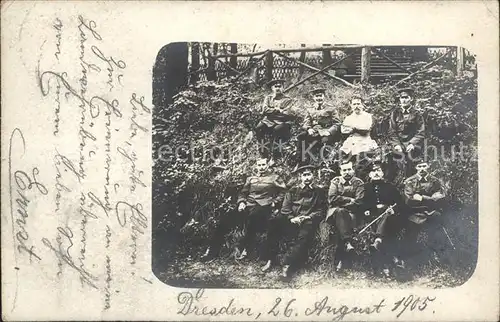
[[18, 195]]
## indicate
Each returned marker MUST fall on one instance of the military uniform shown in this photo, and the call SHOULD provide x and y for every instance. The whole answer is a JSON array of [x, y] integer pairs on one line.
[[422, 213], [406, 126], [325, 121], [262, 195], [379, 195], [300, 200], [274, 123], [427, 187], [344, 199]]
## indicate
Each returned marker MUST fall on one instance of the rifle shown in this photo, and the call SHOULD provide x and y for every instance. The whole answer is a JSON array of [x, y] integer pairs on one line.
[[374, 220]]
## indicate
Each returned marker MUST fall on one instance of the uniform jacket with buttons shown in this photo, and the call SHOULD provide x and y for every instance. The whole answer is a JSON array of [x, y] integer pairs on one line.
[[381, 192], [325, 118], [427, 186], [262, 190], [304, 201], [349, 194], [406, 127]]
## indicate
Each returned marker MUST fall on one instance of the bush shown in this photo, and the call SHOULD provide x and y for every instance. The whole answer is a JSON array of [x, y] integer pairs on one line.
[[223, 114]]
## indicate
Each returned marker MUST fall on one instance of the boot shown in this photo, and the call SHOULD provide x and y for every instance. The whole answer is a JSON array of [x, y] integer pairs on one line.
[[286, 271], [266, 267]]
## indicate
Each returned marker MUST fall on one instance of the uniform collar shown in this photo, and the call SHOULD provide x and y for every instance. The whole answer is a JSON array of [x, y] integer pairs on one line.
[[420, 178], [316, 106], [348, 182], [303, 186], [407, 110]]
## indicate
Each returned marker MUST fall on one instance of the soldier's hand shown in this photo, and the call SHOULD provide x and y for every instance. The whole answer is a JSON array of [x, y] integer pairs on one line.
[[242, 206], [398, 148], [311, 132], [345, 129], [410, 147], [295, 220], [390, 211], [380, 206], [417, 197]]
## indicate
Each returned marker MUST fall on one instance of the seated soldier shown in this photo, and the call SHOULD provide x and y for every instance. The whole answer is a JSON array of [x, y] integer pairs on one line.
[[344, 198], [359, 145], [406, 135], [382, 203], [424, 195], [260, 196], [321, 128], [303, 207], [276, 121]]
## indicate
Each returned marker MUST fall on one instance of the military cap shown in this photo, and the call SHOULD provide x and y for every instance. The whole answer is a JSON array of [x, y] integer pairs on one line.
[[317, 90], [419, 159], [275, 81], [303, 168], [408, 90]]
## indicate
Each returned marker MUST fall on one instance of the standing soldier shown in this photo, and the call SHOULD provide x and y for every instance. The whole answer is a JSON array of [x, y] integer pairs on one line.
[[344, 198], [424, 195], [382, 200], [276, 121], [303, 208], [406, 134], [321, 127]]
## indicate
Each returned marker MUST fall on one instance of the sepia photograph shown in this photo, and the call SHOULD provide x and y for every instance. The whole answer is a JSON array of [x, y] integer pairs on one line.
[[314, 165]]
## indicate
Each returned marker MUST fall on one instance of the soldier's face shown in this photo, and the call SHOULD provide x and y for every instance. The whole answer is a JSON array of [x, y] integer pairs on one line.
[[306, 177], [422, 169], [261, 165], [376, 174], [319, 98], [346, 171], [277, 88], [405, 99], [356, 105]]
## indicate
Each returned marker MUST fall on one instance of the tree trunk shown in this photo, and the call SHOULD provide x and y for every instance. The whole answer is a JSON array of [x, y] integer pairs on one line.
[[460, 61], [170, 73], [195, 62]]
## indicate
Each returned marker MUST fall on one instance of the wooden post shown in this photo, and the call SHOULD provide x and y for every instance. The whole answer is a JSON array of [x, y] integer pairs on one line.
[[460, 61], [269, 66], [302, 59], [233, 61], [195, 62], [365, 64], [327, 56]]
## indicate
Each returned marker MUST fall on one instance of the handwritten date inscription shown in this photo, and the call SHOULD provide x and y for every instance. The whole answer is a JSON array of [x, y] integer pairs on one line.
[[191, 304]]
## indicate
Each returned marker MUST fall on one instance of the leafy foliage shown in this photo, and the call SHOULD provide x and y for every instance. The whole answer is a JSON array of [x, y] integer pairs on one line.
[[204, 145]]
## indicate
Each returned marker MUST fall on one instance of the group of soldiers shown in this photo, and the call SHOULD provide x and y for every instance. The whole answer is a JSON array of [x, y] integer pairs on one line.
[[362, 196]]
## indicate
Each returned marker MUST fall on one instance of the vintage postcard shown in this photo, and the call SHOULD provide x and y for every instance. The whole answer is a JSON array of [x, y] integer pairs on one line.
[[250, 161]]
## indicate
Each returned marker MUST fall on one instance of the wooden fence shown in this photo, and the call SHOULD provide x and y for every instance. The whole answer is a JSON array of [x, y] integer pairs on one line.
[[345, 64]]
